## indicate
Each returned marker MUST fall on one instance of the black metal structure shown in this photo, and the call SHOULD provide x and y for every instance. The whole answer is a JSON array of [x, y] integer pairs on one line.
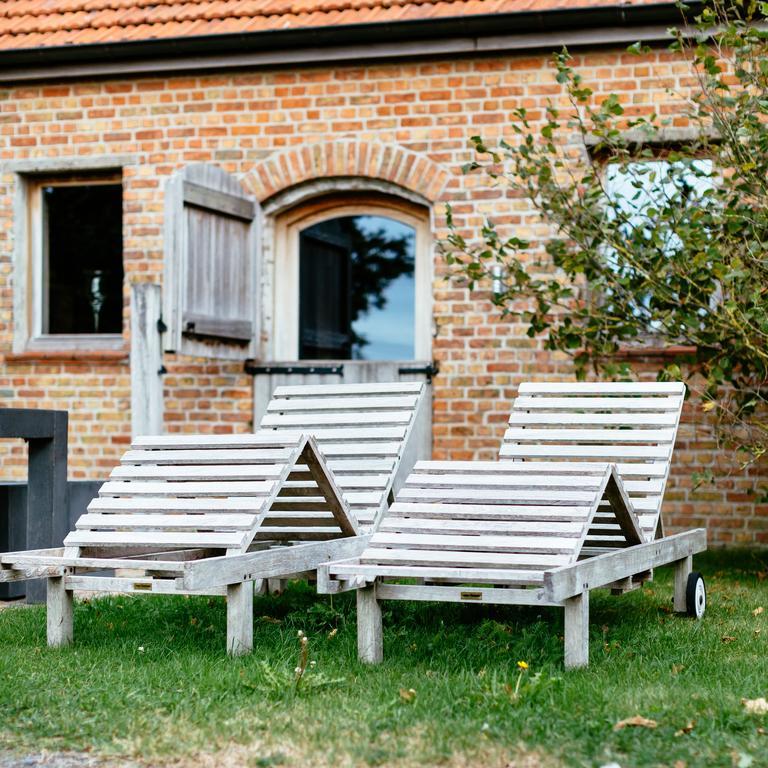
[[46, 522]]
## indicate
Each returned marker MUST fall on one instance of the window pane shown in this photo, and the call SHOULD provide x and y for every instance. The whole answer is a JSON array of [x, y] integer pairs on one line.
[[356, 289], [83, 269]]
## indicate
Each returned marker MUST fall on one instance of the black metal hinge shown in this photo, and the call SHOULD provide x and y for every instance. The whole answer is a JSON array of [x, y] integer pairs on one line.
[[430, 371], [319, 370]]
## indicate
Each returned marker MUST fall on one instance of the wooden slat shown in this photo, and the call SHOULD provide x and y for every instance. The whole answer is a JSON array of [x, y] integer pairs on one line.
[[342, 404], [603, 388], [200, 473], [233, 442], [494, 496], [308, 421], [111, 504], [212, 456], [577, 451], [154, 538], [221, 521], [501, 481], [649, 468], [597, 403], [376, 556], [592, 435], [439, 511], [616, 419], [429, 525], [114, 488], [459, 575], [332, 390], [476, 543]]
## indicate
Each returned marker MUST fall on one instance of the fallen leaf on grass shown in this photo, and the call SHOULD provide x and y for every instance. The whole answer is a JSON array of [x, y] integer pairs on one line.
[[677, 668], [638, 721], [728, 639], [270, 620], [686, 729], [407, 694], [758, 611], [756, 706]]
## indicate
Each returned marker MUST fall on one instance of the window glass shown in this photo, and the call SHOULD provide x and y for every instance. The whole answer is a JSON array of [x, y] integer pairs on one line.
[[83, 259], [356, 289], [641, 189]]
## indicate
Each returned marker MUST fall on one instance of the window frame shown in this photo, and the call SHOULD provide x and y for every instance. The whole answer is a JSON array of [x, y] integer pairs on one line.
[[34, 339], [288, 225]]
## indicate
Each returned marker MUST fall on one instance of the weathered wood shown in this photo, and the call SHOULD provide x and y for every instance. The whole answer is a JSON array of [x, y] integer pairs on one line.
[[139, 585], [565, 582], [471, 594], [277, 561], [59, 616], [577, 630], [370, 642], [239, 618], [683, 568], [212, 264], [146, 360]]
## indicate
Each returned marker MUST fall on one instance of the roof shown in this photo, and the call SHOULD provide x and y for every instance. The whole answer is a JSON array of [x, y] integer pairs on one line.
[[32, 24]]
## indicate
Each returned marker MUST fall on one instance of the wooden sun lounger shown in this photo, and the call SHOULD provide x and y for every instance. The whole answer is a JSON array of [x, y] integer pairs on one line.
[[367, 433], [197, 515], [543, 529]]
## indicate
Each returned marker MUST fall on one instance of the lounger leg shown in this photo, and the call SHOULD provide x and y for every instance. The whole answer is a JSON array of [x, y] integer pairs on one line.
[[59, 613], [682, 569], [370, 648], [577, 631], [239, 618]]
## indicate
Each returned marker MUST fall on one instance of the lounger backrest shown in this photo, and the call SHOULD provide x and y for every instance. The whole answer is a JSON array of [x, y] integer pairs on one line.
[[633, 425], [492, 521], [365, 431], [212, 492]]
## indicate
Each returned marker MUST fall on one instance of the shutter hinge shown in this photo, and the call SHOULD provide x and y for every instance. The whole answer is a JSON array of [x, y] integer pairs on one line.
[[430, 371], [280, 368]]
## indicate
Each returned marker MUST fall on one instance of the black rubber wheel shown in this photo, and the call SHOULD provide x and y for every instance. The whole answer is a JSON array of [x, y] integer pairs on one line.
[[695, 595]]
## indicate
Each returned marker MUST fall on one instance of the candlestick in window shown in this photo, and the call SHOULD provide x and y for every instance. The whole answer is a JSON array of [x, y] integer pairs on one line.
[[96, 296]]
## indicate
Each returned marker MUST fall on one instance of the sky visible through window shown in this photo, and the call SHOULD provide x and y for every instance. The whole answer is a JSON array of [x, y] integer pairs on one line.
[[389, 330]]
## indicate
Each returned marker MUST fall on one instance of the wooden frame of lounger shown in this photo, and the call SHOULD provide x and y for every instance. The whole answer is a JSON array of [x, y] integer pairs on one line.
[[197, 515], [517, 532]]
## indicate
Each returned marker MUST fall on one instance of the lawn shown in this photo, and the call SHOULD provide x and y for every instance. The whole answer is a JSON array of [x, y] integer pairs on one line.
[[148, 677]]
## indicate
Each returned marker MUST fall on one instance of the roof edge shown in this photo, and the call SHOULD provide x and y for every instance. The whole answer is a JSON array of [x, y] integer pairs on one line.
[[648, 21]]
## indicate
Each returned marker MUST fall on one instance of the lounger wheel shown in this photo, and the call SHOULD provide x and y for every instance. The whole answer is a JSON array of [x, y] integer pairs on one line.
[[695, 595]]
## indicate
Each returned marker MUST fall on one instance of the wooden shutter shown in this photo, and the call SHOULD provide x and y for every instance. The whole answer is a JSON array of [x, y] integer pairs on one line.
[[211, 264]]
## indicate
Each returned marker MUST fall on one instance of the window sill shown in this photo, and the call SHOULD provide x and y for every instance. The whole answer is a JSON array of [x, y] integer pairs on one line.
[[70, 349], [654, 351]]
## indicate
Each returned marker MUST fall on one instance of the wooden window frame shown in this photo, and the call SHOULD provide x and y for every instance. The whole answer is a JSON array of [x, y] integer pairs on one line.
[[289, 224], [32, 306]]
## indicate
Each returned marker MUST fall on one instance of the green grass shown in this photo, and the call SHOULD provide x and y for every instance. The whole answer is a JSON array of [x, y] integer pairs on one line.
[[148, 677]]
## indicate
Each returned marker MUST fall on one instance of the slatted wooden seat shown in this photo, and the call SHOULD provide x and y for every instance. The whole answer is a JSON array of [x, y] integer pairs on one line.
[[366, 433], [484, 522], [196, 514], [631, 424], [580, 474]]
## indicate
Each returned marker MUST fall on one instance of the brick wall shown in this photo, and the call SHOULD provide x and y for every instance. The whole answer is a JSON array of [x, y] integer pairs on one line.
[[273, 128]]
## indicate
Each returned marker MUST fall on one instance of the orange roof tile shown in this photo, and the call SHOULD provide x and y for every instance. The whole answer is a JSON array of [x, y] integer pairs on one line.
[[28, 24]]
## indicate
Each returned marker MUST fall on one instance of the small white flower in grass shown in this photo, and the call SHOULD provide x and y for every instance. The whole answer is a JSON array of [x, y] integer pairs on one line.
[[141, 649], [300, 634], [312, 663], [297, 670]]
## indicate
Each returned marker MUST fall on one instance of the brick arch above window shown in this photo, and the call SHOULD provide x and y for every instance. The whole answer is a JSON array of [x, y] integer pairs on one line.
[[396, 165]]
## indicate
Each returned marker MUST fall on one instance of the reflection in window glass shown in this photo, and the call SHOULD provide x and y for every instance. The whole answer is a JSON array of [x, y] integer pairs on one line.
[[356, 289], [640, 189]]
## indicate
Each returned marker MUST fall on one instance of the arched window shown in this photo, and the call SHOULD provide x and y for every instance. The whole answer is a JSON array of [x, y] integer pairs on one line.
[[353, 280]]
